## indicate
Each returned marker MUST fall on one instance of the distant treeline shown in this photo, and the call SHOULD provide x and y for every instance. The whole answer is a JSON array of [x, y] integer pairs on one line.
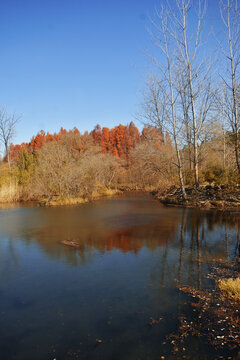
[[118, 141], [69, 167]]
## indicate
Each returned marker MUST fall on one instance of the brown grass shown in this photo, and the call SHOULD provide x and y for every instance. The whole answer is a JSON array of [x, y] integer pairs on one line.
[[9, 193], [230, 287], [64, 201]]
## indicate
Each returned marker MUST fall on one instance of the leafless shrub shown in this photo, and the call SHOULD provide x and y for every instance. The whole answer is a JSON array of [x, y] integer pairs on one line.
[[63, 172]]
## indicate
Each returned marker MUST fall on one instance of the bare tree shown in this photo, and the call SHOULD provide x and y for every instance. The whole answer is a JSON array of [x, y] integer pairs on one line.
[[230, 15], [180, 97], [197, 85], [7, 130], [184, 99], [224, 108], [161, 98], [150, 107]]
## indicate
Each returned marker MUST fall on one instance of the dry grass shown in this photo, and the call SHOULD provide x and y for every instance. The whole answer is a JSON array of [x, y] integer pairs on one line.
[[96, 195], [230, 287], [103, 191], [64, 201], [9, 193]]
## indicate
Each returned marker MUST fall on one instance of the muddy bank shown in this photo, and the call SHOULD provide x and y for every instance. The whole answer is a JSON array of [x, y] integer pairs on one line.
[[209, 197]]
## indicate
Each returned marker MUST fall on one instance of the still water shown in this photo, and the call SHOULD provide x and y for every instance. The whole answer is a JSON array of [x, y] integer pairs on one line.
[[95, 302]]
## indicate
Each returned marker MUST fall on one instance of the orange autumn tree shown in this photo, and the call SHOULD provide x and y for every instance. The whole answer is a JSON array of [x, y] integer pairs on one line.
[[118, 141]]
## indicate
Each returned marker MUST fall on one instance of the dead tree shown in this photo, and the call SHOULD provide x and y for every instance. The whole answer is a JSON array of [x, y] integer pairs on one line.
[[7, 130]]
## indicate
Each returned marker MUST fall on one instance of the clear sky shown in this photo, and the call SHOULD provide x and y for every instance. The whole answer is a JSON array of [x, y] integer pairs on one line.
[[74, 62]]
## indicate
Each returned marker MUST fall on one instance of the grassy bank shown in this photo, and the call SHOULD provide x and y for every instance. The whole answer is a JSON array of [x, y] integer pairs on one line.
[[96, 195]]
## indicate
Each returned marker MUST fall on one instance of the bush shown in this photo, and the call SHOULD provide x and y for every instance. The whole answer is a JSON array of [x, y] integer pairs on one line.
[[25, 166], [8, 184], [220, 176], [63, 174], [190, 179], [217, 175]]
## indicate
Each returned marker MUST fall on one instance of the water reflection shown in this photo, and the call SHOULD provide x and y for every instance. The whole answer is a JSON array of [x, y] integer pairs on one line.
[[125, 224], [133, 252]]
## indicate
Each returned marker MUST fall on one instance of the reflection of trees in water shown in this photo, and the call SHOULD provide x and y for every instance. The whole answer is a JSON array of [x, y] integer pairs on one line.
[[214, 218], [226, 242], [190, 232], [8, 257], [198, 240], [131, 239], [183, 226], [237, 247], [188, 257]]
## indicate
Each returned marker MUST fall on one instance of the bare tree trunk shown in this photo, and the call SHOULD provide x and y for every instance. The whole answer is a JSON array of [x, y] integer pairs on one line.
[[190, 79], [174, 123], [163, 94], [195, 136], [8, 155], [230, 17], [224, 150], [235, 105], [235, 115], [234, 88], [189, 147]]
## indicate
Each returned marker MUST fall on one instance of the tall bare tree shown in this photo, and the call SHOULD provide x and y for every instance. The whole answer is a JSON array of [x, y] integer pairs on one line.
[[160, 99], [180, 97], [197, 87], [7, 130], [230, 15]]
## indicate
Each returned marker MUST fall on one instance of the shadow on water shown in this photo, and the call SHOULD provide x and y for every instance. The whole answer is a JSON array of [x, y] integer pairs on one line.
[[96, 301]]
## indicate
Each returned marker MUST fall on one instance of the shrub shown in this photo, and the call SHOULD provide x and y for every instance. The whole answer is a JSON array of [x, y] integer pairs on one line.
[[216, 174], [190, 179], [25, 166]]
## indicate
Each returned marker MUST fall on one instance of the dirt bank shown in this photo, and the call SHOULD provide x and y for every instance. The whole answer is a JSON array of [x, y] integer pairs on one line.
[[209, 197]]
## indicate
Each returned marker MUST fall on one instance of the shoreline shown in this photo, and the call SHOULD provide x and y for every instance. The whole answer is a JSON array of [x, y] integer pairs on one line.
[[62, 201], [206, 197], [65, 201], [214, 315]]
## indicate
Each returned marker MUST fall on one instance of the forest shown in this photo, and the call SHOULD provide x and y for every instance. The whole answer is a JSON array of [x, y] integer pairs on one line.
[[70, 167]]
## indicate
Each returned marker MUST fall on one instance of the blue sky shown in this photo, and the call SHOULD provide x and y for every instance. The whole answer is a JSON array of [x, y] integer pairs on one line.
[[75, 62]]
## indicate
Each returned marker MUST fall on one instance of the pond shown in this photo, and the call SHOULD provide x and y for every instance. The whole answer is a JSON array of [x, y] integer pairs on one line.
[[99, 301]]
